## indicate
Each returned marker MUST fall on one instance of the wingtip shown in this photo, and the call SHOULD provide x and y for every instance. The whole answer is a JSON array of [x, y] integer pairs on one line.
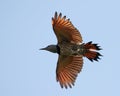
[[55, 12], [60, 15], [55, 15]]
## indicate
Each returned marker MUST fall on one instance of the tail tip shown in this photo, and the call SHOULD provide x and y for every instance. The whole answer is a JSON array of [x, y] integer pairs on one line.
[[96, 58]]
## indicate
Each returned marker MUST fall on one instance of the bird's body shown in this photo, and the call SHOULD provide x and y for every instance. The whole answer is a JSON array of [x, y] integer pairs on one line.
[[71, 50]]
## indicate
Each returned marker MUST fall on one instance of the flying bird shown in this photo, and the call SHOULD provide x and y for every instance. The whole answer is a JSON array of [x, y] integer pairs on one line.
[[71, 50]]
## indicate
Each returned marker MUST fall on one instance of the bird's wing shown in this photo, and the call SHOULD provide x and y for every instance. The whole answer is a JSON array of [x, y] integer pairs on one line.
[[67, 70], [65, 30]]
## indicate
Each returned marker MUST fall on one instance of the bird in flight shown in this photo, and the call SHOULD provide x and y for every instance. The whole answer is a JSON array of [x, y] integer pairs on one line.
[[71, 50]]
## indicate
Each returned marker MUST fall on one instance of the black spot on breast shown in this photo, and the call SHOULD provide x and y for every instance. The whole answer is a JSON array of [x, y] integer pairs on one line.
[[58, 49]]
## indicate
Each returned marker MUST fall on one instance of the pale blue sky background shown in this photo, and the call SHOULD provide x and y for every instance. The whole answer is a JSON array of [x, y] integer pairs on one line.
[[25, 26]]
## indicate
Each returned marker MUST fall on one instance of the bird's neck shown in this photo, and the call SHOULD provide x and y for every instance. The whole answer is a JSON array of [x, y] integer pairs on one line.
[[57, 49]]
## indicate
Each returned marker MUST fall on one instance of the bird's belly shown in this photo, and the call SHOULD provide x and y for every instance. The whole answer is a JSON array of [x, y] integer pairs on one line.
[[66, 51]]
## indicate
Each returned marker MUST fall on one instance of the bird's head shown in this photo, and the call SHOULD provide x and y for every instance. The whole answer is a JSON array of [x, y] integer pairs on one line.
[[51, 48]]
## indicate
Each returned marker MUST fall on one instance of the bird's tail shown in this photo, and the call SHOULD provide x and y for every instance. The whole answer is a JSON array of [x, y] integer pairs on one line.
[[91, 51]]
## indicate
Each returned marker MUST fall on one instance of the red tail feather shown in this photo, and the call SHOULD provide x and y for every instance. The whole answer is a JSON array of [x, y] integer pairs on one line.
[[91, 53]]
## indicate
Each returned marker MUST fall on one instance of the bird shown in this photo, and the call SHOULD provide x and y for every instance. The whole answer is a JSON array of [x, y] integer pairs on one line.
[[70, 50]]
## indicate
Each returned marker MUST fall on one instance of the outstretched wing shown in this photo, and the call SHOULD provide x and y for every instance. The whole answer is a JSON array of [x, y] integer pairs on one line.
[[67, 70], [64, 29]]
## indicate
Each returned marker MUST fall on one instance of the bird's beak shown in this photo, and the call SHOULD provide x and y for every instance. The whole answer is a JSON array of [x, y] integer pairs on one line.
[[42, 49]]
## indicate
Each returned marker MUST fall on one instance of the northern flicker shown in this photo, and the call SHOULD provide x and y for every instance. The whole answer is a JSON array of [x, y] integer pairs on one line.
[[71, 50]]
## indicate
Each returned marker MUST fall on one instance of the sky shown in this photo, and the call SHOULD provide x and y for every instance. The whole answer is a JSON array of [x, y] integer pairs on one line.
[[25, 26]]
